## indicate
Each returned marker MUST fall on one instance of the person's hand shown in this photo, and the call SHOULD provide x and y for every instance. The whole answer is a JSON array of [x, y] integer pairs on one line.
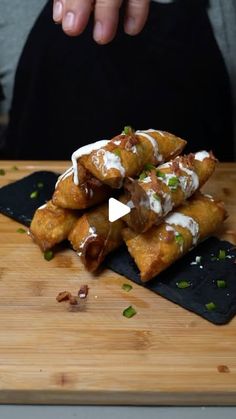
[[74, 16]]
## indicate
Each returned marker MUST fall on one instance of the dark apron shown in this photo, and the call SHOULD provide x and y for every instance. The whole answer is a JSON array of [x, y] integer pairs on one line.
[[71, 91]]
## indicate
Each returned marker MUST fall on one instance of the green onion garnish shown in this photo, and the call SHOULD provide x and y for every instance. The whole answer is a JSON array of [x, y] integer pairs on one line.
[[222, 254], [183, 284], [34, 194], [116, 151], [221, 283], [21, 230], [142, 176], [160, 174], [179, 239], [210, 306], [127, 287], [2, 172], [48, 255], [128, 130], [40, 185], [149, 167], [173, 182], [129, 312], [14, 168], [155, 196]]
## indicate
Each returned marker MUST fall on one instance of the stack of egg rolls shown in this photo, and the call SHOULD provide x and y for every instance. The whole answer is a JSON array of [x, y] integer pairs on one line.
[[168, 214]]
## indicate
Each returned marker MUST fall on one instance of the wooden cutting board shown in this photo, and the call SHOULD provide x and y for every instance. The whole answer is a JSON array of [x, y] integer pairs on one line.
[[48, 354]]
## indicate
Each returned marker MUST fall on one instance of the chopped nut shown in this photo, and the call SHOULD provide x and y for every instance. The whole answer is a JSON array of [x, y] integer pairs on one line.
[[73, 300], [63, 296], [83, 291]]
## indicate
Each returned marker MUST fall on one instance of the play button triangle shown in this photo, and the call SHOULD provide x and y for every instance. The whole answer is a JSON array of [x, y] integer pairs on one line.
[[116, 210]]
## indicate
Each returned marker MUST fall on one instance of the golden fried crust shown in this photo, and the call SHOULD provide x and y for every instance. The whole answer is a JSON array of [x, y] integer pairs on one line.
[[51, 225], [93, 237], [131, 153], [157, 248], [69, 195], [142, 216]]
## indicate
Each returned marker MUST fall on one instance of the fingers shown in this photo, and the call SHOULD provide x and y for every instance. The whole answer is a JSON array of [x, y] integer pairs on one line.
[[136, 16], [72, 14], [106, 17]]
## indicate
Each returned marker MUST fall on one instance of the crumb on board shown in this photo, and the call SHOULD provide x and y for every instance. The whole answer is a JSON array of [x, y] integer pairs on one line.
[[223, 368]]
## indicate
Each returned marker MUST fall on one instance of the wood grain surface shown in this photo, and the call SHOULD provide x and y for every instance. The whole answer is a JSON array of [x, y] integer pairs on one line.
[[164, 355]]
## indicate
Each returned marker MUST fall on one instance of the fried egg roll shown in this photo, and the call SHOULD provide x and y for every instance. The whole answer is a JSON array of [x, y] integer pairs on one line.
[[88, 192], [93, 236], [160, 189], [126, 154], [160, 246], [51, 225]]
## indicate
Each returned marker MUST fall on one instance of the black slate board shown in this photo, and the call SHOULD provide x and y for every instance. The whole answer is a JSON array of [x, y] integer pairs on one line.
[[202, 278], [16, 203]]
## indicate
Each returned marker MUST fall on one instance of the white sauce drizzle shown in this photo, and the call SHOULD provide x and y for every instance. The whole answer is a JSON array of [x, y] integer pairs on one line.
[[201, 155], [83, 151], [167, 204], [42, 207], [117, 142], [92, 231], [153, 142], [155, 204], [209, 196], [188, 187], [110, 161], [64, 175], [184, 221], [169, 228], [146, 179]]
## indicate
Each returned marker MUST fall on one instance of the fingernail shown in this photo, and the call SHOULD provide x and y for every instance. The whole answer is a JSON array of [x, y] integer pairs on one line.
[[69, 21], [130, 27], [57, 11], [97, 33]]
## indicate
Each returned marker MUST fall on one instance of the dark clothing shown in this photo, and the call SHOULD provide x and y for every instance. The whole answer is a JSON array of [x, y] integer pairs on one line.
[[71, 91]]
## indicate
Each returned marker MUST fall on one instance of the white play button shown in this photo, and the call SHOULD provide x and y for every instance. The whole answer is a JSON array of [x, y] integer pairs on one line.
[[116, 210]]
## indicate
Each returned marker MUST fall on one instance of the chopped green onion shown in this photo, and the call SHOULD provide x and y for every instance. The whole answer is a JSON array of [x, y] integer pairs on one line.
[[149, 167], [128, 130], [129, 312], [40, 185], [173, 182], [48, 255], [127, 287], [116, 151], [34, 194], [179, 239], [210, 306], [21, 230], [2, 172], [14, 168], [142, 176], [221, 283], [222, 255], [155, 196], [160, 174], [183, 284]]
